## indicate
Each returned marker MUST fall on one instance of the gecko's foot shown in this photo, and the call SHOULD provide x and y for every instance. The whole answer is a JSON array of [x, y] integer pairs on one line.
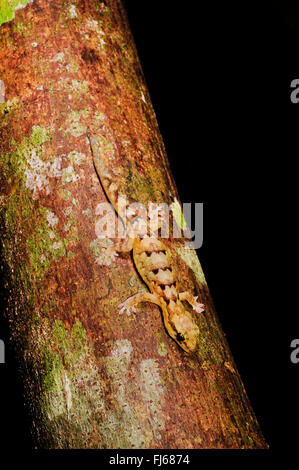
[[199, 308], [126, 308]]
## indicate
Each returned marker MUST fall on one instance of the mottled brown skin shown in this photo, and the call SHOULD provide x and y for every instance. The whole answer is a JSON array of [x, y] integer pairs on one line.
[[153, 262]]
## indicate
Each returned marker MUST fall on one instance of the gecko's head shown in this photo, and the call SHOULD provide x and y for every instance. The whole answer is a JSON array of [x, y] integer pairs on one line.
[[185, 330]]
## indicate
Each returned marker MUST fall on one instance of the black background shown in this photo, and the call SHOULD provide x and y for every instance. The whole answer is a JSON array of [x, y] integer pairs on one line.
[[219, 77]]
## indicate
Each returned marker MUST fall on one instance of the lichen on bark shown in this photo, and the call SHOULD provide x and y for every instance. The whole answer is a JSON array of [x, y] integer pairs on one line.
[[9, 7]]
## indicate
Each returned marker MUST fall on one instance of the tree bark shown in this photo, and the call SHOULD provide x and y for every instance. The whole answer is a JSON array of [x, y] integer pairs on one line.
[[93, 378]]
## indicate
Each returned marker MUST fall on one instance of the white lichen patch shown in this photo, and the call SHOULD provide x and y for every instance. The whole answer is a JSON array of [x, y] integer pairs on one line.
[[56, 405], [72, 380], [2, 92], [87, 212], [153, 395], [68, 392], [55, 168], [37, 175], [67, 211], [92, 25], [74, 391], [102, 42], [67, 227], [80, 87], [69, 175], [122, 348], [144, 424], [38, 172], [72, 85], [71, 224], [52, 219], [56, 246], [77, 158], [59, 57], [76, 127], [45, 243], [73, 12], [117, 366]]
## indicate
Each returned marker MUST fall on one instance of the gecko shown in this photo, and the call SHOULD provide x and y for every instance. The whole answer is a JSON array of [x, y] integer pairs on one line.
[[153, 261]]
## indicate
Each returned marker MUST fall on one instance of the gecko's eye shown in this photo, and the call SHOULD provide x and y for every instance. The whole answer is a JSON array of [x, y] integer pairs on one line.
[[180, 338]]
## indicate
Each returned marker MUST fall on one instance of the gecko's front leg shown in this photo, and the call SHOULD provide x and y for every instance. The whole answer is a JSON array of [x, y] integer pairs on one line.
[[192, 301], [129, 305]]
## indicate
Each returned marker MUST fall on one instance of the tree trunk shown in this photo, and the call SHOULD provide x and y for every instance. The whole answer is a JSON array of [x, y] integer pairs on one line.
[[94, 378]]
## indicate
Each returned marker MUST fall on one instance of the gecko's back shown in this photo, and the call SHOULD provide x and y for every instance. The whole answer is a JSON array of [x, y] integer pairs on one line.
[[153, 261]]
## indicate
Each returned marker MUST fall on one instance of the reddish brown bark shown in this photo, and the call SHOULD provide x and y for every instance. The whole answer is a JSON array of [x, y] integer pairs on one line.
[[94, 378]]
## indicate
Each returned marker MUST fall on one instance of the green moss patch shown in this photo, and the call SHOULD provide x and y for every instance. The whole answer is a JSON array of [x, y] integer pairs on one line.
[[9, 7]]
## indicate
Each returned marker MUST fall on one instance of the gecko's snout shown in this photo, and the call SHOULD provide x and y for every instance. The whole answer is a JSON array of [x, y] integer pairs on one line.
[[186, 332]]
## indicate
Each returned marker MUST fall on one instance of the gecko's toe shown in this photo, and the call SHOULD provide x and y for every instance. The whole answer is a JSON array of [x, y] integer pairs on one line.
[[123, 308], [199, 308]]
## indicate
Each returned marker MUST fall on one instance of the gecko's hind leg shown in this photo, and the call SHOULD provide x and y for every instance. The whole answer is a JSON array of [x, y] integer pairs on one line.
[[129, 305], [192, 301]]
